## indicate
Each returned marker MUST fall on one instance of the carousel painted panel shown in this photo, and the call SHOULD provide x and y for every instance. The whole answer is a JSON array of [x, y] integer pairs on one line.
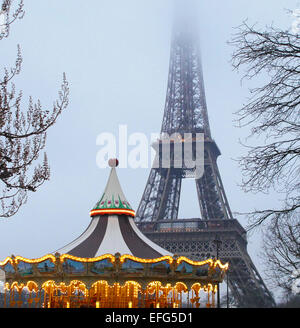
[[8, 269], [24, 268], [102, 267], [74, 267], [184, 269], [46, 267], [161, 268], [132, 267]]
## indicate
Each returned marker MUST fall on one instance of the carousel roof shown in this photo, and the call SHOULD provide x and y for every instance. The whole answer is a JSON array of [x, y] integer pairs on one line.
[[113, 200], [112, 228]]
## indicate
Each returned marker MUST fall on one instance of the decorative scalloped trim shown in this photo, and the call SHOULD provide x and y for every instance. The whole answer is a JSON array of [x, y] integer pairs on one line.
[[211, 262]]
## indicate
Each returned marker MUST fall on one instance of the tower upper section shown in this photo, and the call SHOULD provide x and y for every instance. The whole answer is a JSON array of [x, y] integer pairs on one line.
[[185, 108]]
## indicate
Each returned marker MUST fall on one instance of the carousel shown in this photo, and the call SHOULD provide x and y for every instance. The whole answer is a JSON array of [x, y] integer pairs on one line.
[[111, 265]]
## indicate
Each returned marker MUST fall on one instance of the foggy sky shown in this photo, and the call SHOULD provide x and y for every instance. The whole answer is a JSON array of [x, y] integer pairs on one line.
[[116, 57]]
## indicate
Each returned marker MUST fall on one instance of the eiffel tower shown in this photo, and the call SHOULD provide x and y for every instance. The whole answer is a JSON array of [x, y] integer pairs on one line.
[[157, 215]]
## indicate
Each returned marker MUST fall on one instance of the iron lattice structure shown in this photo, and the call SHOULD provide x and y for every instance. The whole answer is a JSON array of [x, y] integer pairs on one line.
[[157, 215]]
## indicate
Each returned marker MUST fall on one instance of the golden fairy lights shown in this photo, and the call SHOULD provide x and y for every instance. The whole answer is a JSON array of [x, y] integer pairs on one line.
[[137, 259], [212, 263], [155, 287], [8, 259], [17, 259], [44, 258], [102, 295], [87, 260]]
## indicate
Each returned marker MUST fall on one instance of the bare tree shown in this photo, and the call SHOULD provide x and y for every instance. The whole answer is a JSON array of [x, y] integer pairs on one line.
[[292, 302], [273, 113], [23, 130], [9, 14], [271, 57], [281, 252]]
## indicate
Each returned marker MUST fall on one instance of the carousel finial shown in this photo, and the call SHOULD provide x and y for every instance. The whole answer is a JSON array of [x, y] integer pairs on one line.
[[113, 201], [113, 162]]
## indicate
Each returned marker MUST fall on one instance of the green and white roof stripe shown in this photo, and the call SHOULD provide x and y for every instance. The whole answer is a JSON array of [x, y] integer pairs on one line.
[[113, 196]]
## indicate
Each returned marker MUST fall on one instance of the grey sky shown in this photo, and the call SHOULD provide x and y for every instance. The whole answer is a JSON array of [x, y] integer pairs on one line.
[[116, 57]]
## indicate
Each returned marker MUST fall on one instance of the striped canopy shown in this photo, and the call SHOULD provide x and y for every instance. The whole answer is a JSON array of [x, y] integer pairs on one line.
[[112, 229]]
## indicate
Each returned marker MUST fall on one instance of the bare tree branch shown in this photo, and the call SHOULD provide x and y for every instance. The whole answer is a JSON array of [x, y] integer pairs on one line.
[[23, 131], [272, 113], [10, 11], [281, 251]]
